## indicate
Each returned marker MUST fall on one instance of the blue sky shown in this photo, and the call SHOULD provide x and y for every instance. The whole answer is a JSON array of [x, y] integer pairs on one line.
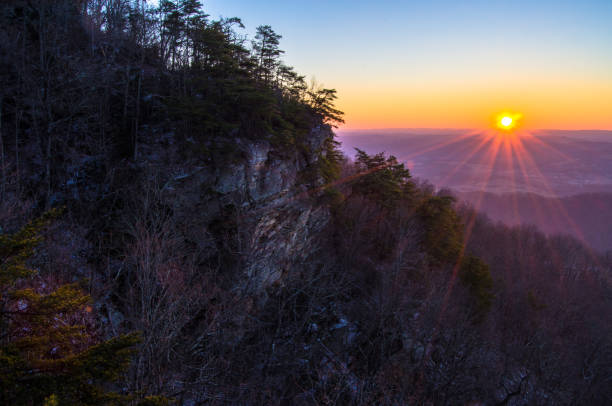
[[369, 50]]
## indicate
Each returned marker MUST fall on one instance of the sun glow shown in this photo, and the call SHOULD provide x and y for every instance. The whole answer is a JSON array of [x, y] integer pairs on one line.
[[507, 121]]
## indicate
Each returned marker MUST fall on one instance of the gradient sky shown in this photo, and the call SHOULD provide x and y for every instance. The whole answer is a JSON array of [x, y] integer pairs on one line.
[[449, 64]]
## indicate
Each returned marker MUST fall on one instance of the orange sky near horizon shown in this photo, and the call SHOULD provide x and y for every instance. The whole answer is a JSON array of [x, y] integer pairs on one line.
[[448, 63], [585, 105]]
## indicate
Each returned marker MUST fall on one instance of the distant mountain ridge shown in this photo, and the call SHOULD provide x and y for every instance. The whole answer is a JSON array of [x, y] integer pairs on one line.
[[587, 216], [551, 163]]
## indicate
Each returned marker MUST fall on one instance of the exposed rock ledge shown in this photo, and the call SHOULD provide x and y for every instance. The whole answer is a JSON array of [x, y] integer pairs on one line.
[[276, 212]]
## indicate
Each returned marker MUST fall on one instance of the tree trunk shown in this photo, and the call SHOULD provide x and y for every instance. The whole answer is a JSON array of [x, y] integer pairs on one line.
[[2, 163], [48, 168], [136, 123], [18, 115]]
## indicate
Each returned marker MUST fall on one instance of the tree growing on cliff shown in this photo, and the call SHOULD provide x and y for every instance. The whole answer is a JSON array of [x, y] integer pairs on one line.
[[382, 178], [322, 101], [48, 351], [266, 51]]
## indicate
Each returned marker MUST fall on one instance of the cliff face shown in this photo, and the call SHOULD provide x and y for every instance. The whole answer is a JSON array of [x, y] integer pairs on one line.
[[187, 251], [262, 202]]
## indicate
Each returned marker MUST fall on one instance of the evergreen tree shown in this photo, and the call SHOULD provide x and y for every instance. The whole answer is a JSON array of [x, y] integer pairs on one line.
[[322, 102], [382, 179], [474, 273], [267, 53], [443, 237], [47, 353]]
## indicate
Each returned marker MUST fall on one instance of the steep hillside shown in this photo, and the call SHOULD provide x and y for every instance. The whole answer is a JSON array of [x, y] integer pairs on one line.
[[187, 169]]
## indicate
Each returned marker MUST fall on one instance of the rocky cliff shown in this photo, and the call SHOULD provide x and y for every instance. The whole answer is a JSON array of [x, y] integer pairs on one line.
[[270, 200]]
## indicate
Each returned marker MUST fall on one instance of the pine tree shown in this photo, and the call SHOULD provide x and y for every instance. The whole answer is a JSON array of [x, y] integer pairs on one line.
[[443, 237], [322, 101], [267, 53], [475, 275], [47, 354], [383, 179]]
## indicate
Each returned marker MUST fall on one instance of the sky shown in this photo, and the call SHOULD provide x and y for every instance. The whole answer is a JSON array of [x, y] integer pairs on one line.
[[448, 64]]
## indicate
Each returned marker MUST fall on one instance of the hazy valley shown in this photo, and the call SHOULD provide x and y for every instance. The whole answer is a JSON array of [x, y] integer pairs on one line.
[[557, 180]]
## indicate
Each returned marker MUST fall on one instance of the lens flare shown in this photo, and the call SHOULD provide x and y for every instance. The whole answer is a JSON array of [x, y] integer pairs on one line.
[[507, 120]]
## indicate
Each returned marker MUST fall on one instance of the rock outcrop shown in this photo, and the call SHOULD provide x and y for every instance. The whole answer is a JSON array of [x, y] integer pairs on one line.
[[266, 196]]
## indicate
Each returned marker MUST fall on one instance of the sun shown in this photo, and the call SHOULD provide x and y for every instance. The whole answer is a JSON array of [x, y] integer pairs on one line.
[[507, 121]]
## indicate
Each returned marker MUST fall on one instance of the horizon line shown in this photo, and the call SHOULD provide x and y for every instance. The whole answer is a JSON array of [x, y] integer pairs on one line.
[[461, 129]]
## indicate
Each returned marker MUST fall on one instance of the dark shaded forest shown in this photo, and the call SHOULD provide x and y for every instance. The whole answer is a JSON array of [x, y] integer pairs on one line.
[[178, 226]]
